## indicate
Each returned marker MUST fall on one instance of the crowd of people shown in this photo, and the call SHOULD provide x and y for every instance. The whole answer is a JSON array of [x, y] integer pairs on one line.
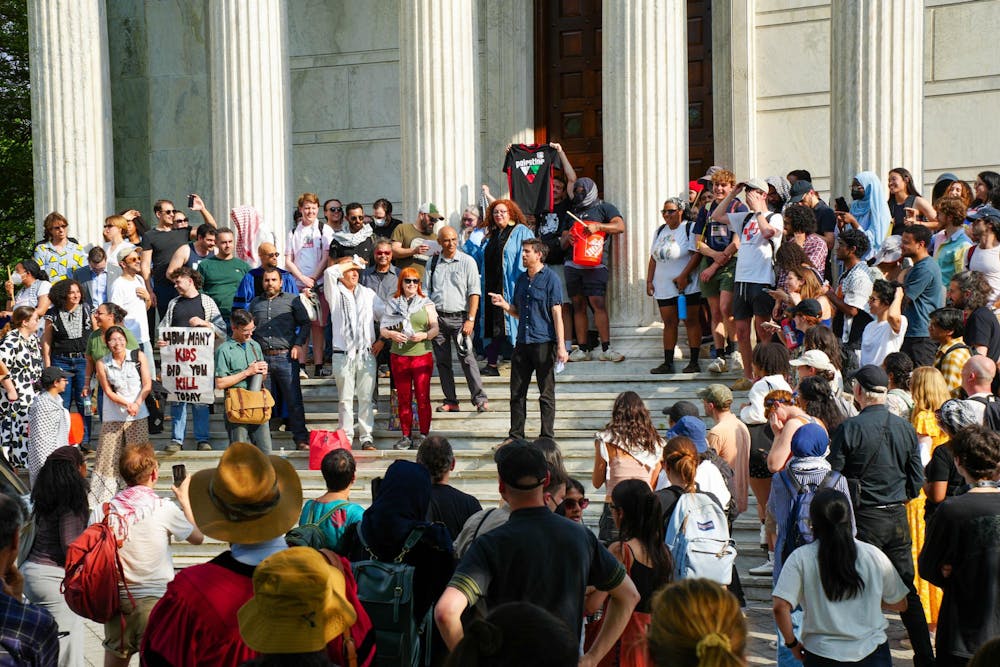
[[869, 342]]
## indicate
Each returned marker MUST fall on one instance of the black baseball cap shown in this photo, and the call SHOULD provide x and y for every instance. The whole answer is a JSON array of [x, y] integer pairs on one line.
[[808, 307], [872, 378], [799, 190], [51, 374], [521, 465]]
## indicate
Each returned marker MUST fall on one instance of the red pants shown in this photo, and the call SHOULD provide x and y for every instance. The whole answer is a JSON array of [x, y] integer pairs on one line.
[[409, 375]]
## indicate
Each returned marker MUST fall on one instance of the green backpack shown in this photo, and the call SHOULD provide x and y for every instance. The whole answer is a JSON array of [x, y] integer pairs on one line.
[[310, 534], [385, 590]]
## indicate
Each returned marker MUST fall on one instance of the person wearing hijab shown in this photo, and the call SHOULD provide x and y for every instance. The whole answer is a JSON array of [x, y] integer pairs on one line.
[[589, 284], [869, 211], [779, 191], [400, 506]]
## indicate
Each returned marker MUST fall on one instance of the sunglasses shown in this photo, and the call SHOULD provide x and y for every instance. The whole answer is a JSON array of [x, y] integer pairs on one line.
[[383, 252], [572, 503], [411, 281], [181, 221], [669, 210], [271, 254], [335, 209], [355, 218], [166, 212]]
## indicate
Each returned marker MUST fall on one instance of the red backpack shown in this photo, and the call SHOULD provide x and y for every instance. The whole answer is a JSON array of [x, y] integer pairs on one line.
[[93, 572]]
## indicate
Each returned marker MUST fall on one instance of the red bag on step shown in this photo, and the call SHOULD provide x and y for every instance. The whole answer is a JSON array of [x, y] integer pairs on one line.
[[322, 443]]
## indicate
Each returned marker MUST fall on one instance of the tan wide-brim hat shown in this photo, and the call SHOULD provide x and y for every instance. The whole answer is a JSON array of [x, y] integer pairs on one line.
[[299, 603], [250, 497]]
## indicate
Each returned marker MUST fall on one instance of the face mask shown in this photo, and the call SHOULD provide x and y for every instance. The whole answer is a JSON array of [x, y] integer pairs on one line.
[[16, 279], [578, 197], [857, 194], [378, 222]]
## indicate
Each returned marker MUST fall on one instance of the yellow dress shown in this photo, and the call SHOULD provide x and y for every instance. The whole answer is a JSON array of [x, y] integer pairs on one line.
[[930, 596]]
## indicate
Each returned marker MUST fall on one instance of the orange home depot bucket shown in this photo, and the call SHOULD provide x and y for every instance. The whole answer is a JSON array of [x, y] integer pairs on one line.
[[75, 428], [588, 249]]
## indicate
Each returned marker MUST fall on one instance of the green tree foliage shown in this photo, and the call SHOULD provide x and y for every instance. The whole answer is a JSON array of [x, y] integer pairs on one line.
[[17, 229]]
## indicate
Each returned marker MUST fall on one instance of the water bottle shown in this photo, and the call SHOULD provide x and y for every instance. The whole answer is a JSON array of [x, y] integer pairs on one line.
[[86, 405], [789, 335], [682, 307]]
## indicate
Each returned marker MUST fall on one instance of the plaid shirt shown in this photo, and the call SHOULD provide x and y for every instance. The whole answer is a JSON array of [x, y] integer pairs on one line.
[[28, 634], [951, 364]]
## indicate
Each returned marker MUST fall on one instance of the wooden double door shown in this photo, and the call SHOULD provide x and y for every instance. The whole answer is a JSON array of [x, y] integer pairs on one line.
[[568, 72]]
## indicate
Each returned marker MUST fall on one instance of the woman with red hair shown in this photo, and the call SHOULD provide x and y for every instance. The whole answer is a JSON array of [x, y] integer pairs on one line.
[[410, 324]]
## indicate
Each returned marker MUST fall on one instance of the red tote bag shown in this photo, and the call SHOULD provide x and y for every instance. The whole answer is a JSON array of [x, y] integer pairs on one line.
[[322, 443]]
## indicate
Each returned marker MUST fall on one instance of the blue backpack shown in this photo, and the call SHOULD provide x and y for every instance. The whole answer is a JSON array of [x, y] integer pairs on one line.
[[699, 540], [798, 528]]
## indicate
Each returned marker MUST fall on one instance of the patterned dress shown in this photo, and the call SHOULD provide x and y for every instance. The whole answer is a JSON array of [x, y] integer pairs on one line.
[[23, 357]]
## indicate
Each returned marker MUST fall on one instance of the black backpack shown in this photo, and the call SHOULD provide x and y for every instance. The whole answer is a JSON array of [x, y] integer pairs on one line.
[[991, 416], [798, 529]]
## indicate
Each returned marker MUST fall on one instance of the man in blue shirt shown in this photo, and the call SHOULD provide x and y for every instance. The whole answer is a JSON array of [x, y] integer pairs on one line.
[[924, 293], [537, 303]]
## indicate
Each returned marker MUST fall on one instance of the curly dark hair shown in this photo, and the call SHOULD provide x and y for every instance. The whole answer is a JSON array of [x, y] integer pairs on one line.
[[822, 338], [951, 208], [977, 449], [435, 454], [59, 294], [884, 291], [512, 209], [771, 359], [856, 239], [631, 427], [898, 366], [799, 218], [816, 398], [188, 272], [974, 287]]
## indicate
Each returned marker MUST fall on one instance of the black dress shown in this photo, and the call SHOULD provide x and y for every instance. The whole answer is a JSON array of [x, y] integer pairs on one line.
[[493, 273]]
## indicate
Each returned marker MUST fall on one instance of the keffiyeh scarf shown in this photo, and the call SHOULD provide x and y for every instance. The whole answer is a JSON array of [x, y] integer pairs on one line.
[[399, 310]]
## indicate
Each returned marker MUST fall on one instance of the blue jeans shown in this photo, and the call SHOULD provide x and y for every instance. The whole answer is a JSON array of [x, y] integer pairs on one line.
[[178, 415], [73, 393], [283, 373], [785, 656]]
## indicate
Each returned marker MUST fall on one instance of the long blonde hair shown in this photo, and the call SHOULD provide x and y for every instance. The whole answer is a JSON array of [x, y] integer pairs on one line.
[[928, 389], [696, 623]]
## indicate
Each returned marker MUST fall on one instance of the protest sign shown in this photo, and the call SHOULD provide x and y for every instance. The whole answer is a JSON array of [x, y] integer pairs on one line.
[[187, 364]]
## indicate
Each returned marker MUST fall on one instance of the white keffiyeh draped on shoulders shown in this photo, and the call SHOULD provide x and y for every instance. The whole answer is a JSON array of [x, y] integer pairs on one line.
[[399, 310]]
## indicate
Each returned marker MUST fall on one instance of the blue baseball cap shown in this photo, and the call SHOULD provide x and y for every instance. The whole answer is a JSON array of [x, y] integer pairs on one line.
[[693, 428]]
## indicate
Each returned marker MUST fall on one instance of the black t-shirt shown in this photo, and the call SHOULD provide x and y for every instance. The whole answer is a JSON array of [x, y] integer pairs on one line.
[[451, 507], [941, 468], [965, 534], [163, 244], [826, 219], [539, 557], [185, 309], [982, 328], [601, 212], [551, 225], [365, 250], [386, 230], [529, 176]]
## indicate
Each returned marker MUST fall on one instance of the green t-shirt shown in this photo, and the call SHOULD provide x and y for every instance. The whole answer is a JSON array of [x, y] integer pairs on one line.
[[222, 278], [232, 357], [420, 322], [98, 349]]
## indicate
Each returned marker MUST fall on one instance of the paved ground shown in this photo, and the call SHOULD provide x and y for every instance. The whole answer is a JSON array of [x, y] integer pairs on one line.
[[760, 650]]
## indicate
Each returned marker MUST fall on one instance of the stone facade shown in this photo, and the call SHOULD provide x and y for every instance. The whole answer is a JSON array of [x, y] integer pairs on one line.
[[779, 88]]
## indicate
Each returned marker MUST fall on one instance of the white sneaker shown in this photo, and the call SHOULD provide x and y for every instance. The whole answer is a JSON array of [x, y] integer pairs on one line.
[[765, 569], [610, 355], [736, 361], [718, 365], [579, 355]]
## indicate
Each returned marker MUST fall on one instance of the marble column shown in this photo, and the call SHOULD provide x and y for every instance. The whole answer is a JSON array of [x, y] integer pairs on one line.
[[734, 93], [438, 51], [251, 111], [71, 114], [645, 122], [509, 76], [876, 97]]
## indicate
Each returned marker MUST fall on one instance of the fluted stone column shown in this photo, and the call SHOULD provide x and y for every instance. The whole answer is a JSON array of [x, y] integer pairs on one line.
[[71, 114], [251, 110], [645, 137], [438, 110], [876, 97], [509, 76], [734, 89]]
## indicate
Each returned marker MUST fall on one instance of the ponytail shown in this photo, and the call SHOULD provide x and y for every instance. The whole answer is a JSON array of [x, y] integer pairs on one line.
[[681, 456], [696, 622]]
